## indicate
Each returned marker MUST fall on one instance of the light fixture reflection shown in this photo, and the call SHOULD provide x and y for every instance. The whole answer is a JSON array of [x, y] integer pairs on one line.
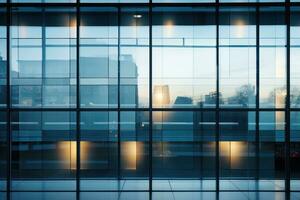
[[67, 151], [233, 151], [137, 16], [161, 95], [240, 28], [130, 154]]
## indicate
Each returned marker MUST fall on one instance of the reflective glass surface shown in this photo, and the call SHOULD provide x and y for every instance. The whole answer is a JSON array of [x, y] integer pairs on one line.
[[237, 56], [43, 150], [43, 57], [123, 99], [183, 148], [184, 57], [272, 49], [294, 56], [3, 58]]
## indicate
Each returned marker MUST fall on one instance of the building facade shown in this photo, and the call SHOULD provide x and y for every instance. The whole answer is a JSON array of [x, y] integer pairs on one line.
[[149, 98]]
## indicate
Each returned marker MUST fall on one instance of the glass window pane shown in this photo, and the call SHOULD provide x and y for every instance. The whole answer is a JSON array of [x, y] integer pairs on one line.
[[272, 57], [271, 149], [183, 148], [99, 57], [294, 150], [134, 58], [294, 57], [3, 150], [184, 57], [3, 57], [43, 150], [134, 130], [237, 57], [99, 151], [237, 150], [43, 57]]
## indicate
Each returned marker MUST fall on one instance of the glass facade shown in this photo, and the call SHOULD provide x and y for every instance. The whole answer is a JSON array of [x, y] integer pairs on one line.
[[101, 97]]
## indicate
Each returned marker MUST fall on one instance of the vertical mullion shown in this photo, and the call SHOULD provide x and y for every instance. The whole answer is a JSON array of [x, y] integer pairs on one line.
[[119, 98], [287, 104], [257, 94], [150, 101], [217, 102], [8, 114], [77, 101]]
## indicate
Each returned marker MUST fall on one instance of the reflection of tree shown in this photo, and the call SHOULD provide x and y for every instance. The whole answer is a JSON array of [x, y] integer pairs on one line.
[[277, 95], [243, 96], [295, 96], [212, 97]]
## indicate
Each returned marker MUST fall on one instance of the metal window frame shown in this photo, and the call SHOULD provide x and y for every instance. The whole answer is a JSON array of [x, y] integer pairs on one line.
[[287, 109]]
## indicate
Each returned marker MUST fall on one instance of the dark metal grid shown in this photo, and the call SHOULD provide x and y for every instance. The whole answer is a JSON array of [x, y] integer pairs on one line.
[[287, 104], [9, 157], [78, 128], [257, 165], [217, 114], [217, 109]]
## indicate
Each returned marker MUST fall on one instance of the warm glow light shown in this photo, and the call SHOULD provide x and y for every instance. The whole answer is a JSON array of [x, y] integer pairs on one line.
[[161, 95], [169, 28], [280, 66], [240, 28], [279, 120], [233, 150], [129, 155], [68, 153]]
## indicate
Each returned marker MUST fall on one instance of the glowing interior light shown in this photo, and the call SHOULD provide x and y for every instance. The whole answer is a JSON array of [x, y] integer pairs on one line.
[[168, 28], [161, 95], [240, 28], [129, 155], [137, 16], [68, 153]]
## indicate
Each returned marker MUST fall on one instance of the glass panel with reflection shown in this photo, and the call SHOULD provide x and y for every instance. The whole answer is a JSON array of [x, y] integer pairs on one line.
[[134, 57], [294, 57], [237, 57], [43, 57], [98, 57], [99, 150], [237, 150], [272, 57], [43, 150], [184, 150], [272, 150], [184, 57]]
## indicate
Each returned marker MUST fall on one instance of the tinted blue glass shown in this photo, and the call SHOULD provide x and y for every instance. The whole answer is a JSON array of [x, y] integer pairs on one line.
[[294, 56], [3, 57], [43, 57], [184, 57], [99, 57], [134, 130], [271, 151], [134, 57], [99, 151], [3, 150], [272, 57], [237, 57], [295, 147], [183, 148], [237, 149], [44, 150]]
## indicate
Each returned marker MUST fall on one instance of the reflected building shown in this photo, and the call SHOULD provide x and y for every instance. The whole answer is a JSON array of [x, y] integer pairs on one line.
[[139, 97]]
